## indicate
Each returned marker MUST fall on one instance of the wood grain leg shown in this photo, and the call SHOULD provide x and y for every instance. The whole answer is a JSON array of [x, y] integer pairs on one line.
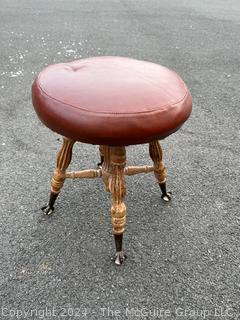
[[63, 160], [106, 167], [118, 191], [160, 170]]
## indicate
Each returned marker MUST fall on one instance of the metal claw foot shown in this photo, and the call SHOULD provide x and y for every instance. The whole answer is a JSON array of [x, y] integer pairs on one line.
[[166, 196], [101, 162], [119, 258], [48, 210]]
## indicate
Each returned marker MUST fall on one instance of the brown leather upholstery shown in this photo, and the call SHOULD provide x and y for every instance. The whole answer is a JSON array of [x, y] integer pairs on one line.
[[111, 100]]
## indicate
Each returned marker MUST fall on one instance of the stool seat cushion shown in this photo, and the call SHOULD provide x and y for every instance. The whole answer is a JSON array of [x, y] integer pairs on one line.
[[111, 100]]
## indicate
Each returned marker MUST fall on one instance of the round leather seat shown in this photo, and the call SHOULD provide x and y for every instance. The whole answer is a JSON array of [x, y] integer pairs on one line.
[[111, 100]]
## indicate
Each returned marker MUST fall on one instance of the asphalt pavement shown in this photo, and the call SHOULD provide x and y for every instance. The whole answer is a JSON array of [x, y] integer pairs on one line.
[[183, 257]]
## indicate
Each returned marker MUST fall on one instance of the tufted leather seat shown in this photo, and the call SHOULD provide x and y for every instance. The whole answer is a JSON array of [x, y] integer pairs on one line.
[[111, 100]]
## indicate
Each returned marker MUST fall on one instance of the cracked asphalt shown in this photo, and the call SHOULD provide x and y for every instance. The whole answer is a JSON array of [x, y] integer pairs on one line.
[[183, 257]]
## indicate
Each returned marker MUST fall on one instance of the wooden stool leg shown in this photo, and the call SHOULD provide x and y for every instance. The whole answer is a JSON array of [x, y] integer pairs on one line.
[[160, 171], [118, 191], [63, 161], [106, 167]]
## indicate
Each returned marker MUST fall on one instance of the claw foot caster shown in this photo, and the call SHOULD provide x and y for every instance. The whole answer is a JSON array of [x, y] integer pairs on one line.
[[101, 162], [119, 258], [166, 196], [49, 208]]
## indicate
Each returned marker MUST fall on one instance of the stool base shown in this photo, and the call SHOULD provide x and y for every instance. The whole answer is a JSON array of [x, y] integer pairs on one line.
[[112, 168]]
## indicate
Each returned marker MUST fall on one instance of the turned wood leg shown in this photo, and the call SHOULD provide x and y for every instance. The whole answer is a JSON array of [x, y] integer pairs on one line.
[[63, 161], [106, 167], [101, 151], [160, 171], [118, 191]]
